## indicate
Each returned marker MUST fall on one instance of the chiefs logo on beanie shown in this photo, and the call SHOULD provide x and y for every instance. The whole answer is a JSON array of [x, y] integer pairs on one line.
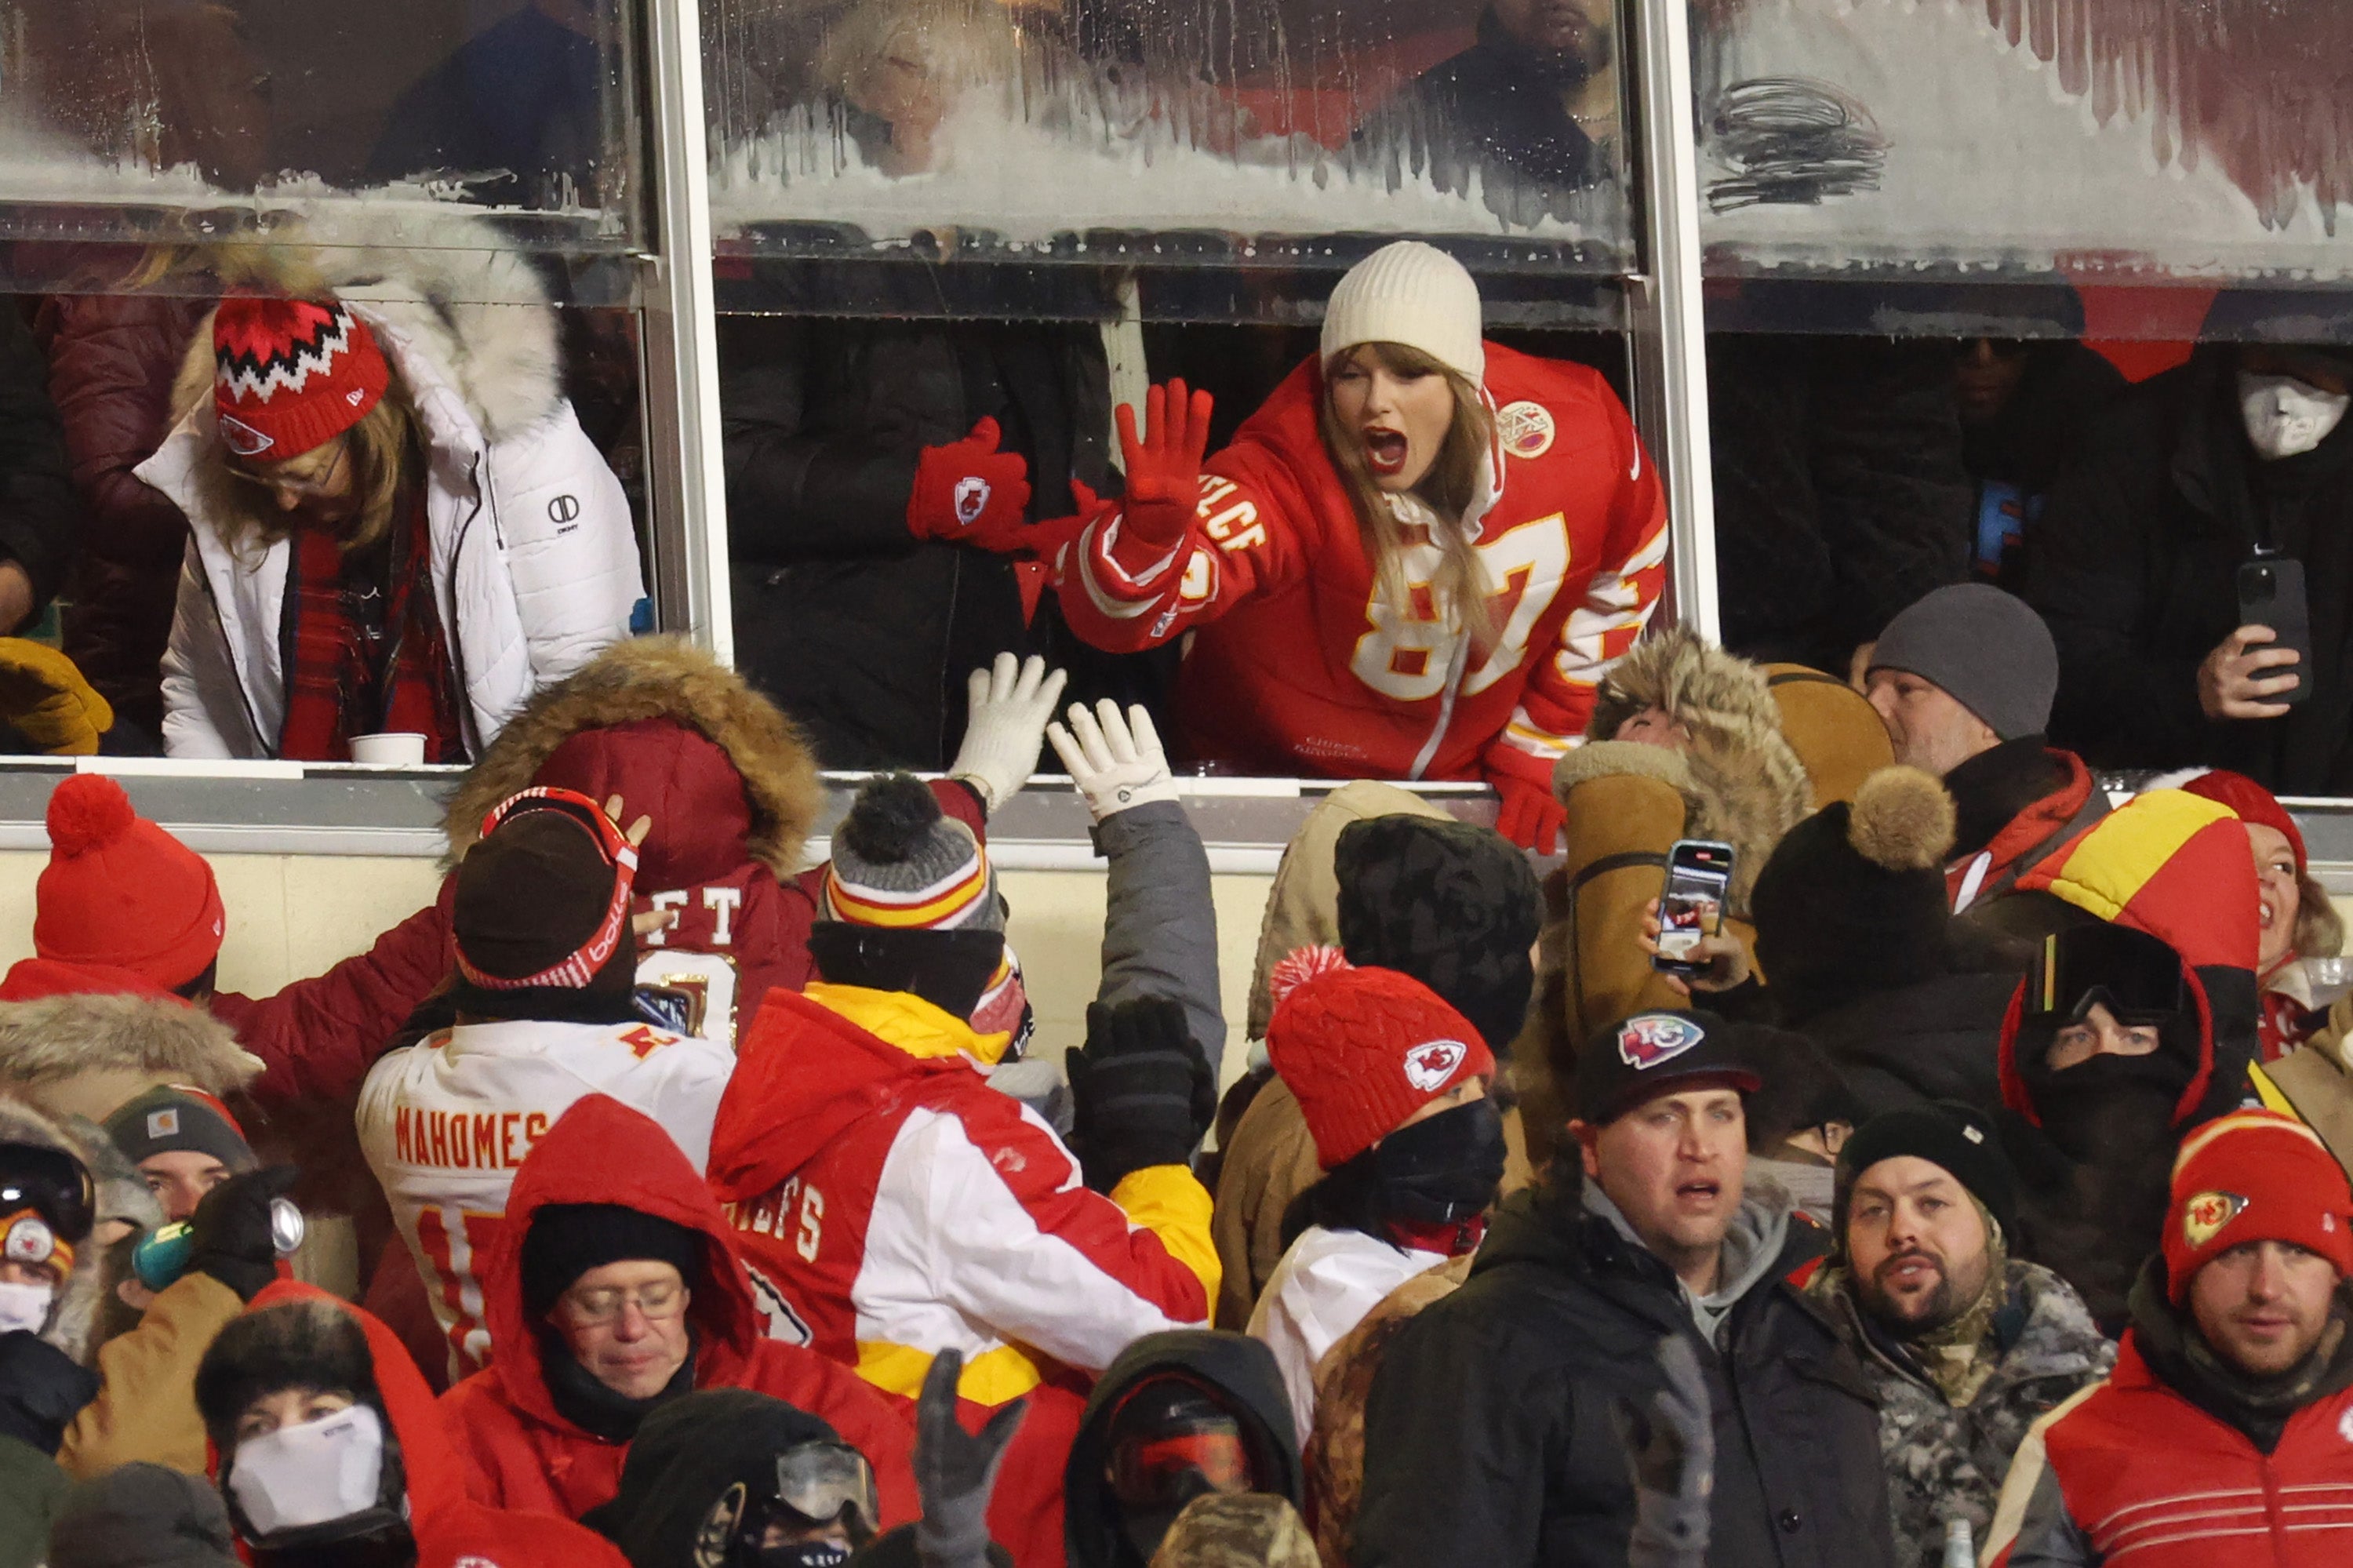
[[1363, 1049], [121, 892], [290, 374], [2254, 1176]]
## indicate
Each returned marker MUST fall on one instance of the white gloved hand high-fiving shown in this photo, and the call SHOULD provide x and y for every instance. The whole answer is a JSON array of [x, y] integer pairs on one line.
[[1008, 705], [1116, 762]]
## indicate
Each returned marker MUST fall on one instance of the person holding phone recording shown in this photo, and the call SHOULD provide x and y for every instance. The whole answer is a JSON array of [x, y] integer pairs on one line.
[[2196, 565]]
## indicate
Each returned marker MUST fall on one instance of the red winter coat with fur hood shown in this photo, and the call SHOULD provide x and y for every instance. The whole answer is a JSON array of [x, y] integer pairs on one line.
[[452, 1531], [733, 793], [518, 1452]]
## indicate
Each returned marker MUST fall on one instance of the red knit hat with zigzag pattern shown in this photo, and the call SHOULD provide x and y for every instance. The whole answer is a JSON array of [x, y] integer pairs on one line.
[[290, 374]]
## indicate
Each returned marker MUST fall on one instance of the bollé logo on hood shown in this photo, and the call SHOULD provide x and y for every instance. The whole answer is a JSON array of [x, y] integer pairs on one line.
[[1654, 1037], [2204, 1215]]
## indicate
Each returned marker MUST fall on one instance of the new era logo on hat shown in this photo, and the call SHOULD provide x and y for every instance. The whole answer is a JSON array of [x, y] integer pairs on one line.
[[1648, 1039], [1427, 1067]]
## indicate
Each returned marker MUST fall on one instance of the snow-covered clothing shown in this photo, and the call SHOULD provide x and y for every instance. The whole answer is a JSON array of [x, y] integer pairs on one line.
[[520, 1450], [1300, 665], [1323, 1288], [446, 1122], [534, 553], [1946, 1461]]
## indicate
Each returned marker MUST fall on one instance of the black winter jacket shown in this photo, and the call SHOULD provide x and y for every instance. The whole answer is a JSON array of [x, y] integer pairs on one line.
[[859, 632], [2136, 568], [1937, 1039], [1839, 494], [1488, 1439]]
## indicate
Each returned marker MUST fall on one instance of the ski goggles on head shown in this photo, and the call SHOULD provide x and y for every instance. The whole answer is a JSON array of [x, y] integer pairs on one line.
[[575, 971], [1168, 1472], [818, 1480], [2132, 974], [50, 1185]]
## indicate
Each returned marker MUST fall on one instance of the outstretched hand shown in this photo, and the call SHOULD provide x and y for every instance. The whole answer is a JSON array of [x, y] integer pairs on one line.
[[968, 493], [1163, 461], [1115, 762], [956, 1470], [1007, 709]]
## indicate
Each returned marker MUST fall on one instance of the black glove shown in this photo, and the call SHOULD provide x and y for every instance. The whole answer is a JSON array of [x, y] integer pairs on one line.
[[1142, 1092], [1671, 1452], [233, 1233], [42, 1389], [955, 1470]]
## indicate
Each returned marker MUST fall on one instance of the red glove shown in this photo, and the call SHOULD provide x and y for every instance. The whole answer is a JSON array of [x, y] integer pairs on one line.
[[968, 493], [1529, 816], [1164, 465]]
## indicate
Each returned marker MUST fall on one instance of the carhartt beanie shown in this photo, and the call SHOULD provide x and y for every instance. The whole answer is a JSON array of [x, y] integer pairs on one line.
[[1984, 647], [1852, 900], [1955, 1138], [172, 1119], [901, 862], [2254, 1176], [1453, 905], [290, 374], [567, 1240], [121, 892], [1363, 1049], [1414, 295]]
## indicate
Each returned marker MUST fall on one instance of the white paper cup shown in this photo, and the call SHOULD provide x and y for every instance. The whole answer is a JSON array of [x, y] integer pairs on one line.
[[393, 748]]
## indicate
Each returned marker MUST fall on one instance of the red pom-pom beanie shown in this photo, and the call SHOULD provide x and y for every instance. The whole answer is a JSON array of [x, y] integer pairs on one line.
[[290, 374], [120, 891], [1363, 1049]]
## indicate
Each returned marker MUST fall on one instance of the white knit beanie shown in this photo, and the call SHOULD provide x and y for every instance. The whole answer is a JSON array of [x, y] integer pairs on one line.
[[1413, 294]]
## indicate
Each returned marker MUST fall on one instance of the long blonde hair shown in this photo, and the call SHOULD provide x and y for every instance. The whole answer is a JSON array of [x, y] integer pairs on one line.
[[384, 455], [1459, 590]]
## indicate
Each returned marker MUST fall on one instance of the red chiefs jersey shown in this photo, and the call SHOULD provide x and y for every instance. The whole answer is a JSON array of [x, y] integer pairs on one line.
[[1301, 665]]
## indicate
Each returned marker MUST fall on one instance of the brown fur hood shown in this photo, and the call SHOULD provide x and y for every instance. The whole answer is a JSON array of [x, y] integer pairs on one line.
[[56, 1038], [658, 678], [1741, 780]]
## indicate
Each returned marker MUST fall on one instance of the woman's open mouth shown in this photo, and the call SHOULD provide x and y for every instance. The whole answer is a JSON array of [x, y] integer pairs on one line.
[[1384, 451]]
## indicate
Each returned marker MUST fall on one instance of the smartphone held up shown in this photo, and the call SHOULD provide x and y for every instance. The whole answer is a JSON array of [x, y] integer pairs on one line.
[[1690, 905]]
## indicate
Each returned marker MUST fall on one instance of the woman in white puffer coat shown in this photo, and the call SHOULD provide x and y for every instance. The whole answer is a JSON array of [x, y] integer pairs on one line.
[[403, 428]]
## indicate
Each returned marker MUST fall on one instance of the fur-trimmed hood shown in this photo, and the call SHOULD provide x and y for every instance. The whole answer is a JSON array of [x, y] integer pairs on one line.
[[86, 1055], [1741, 780], [756, 796], [73, 1317]]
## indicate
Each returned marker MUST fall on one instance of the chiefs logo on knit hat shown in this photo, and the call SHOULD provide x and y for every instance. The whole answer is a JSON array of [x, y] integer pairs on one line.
[[971, 499], [290, 374], [1648, 1039], [29, 1240], [2204, 1215], [1428, 1066]]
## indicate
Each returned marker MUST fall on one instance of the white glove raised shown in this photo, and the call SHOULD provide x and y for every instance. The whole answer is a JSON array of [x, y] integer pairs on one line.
[[1116, 762], [1010, 704]]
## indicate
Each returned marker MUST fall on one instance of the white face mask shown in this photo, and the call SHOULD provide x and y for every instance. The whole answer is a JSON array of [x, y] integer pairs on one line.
[[25, 1306], [312, 1474], [2285, 417]]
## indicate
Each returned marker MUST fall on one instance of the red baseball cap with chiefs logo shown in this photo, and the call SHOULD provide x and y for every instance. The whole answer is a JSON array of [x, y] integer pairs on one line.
[[2254, 1176], [1363, 1049], [1653, 1054]]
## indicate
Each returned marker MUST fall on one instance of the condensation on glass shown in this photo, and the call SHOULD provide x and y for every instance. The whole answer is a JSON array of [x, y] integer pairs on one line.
[[450, 124], [2156, 141], [1218, 133]]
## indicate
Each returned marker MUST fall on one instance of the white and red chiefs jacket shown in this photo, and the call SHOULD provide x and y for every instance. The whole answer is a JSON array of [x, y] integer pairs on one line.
[[1301, 665], [890, 1204], [445, 1123]]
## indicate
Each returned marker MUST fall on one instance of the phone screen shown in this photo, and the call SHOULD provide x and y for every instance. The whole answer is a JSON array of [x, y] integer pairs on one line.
[[1692, 905]]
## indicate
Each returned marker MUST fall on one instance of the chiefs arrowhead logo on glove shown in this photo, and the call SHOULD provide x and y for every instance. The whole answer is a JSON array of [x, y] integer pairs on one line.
[[1428, 1065], [971, 499]]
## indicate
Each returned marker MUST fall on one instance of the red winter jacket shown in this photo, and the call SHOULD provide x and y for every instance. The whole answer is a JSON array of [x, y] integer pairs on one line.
[[2026, 840], [319, 1037], [519, 1452], [2131, 1472], [452, 1530], [1299, 665]]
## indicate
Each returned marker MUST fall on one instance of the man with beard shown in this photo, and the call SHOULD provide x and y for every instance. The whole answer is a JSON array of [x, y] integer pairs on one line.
[[2225, 1422], [2136, 1024], [1531, 108], [1966, 1347]]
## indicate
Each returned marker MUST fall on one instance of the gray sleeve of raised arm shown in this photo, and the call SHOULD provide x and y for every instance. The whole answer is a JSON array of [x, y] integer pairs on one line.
[[1160, 926]]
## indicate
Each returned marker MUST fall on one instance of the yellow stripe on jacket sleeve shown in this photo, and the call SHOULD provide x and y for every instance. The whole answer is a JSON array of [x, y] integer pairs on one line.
[[993, 1377], [1169, 1203]]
